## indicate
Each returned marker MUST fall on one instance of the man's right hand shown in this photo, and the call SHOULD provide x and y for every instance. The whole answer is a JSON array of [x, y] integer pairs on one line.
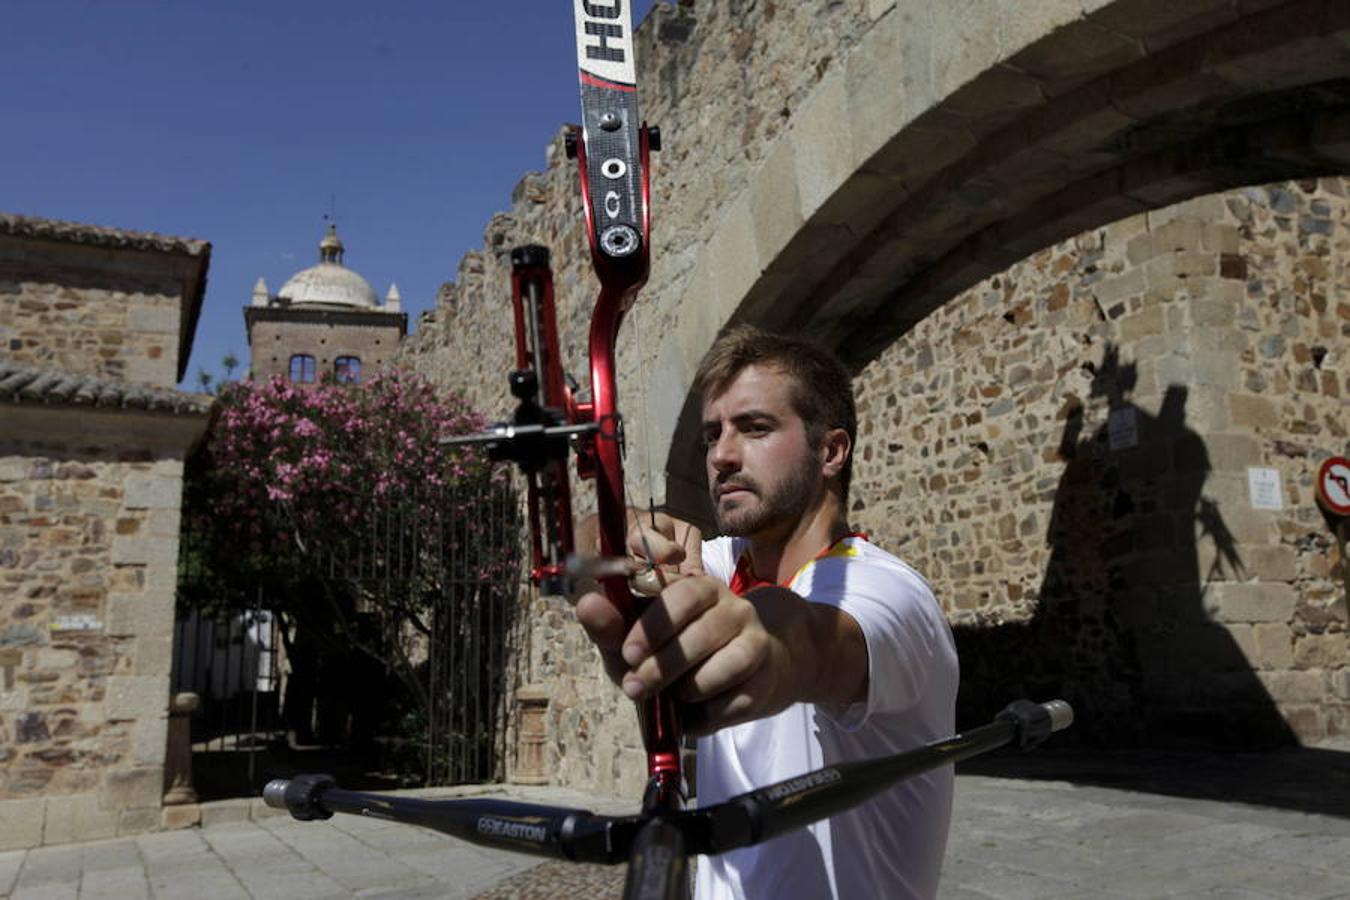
[[673, 548]]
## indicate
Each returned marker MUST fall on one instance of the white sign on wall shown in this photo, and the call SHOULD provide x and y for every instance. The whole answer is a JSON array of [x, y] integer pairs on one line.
[[78, 622], [1263, 486]]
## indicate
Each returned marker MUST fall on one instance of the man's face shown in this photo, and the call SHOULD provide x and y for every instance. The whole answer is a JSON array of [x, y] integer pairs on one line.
[[762, 473]]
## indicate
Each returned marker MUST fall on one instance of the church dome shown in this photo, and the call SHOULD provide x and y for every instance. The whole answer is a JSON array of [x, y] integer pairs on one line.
[[330, 282]]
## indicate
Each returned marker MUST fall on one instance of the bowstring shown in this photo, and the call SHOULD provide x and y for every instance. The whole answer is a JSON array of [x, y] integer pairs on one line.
[[646, 451]]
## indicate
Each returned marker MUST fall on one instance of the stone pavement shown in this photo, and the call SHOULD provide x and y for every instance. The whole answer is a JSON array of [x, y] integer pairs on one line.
[[1011, 838]]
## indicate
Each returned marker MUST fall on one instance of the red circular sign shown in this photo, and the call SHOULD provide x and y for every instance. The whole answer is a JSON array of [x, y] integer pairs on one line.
[[1333, 485]]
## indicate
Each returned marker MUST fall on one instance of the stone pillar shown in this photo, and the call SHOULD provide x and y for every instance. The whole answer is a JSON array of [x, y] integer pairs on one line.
[[531, 733], [178, 766]]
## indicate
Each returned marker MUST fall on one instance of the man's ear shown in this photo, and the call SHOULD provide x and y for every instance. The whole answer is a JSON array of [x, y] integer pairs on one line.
[[834, 452]]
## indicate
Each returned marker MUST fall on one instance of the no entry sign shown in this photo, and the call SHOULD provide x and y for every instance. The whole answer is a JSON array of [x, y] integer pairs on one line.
[[1333, 485]]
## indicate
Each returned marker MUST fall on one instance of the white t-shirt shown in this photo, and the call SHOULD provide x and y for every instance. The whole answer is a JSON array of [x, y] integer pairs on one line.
[[892, 845]]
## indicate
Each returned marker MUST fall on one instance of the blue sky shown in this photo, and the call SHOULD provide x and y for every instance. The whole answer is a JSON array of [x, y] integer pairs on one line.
[[244, 123]]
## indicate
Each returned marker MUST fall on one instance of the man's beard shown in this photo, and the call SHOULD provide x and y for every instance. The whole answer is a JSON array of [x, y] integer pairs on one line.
[[787, 501]]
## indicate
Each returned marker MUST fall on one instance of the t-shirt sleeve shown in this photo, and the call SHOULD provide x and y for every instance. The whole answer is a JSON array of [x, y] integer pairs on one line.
[[906, 635], [719, 558]]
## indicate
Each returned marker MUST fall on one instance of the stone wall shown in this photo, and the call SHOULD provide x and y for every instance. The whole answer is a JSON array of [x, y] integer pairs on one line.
[[1132, 572], [96, 323], [79, 310], [276, 334], [750, 97], [87, 566], [759, 60]]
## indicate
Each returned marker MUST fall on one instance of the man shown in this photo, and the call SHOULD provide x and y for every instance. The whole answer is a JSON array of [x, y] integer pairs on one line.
[[792, 642]]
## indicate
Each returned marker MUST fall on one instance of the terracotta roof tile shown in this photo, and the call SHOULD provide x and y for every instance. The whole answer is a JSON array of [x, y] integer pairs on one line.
[[26, 384], [97, 235]]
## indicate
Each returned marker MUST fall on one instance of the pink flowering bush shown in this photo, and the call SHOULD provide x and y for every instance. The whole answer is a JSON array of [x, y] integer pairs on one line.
[[339, 507], [300, 466]]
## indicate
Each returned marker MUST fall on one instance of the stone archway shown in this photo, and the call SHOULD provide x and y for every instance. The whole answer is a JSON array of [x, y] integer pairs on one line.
[[955, 139]]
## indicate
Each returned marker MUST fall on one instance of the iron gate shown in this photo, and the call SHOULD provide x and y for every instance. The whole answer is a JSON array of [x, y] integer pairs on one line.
[[394, 646]]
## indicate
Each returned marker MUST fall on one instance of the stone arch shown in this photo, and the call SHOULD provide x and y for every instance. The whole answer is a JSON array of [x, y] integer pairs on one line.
[[955, 139]]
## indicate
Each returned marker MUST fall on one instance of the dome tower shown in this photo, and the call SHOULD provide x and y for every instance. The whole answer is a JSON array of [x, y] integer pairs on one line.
[[326, 321]]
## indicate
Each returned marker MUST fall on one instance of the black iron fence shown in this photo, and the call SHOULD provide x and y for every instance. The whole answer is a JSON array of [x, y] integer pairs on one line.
[[386, 652]]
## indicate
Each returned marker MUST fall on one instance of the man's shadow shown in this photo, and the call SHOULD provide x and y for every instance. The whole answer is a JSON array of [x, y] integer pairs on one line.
[[1120, 628]]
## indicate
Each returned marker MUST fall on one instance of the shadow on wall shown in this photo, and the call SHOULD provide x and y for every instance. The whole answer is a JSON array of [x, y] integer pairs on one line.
[[1120, 628]]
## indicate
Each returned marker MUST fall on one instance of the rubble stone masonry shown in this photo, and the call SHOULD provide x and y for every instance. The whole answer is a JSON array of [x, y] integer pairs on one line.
[[94, 323], [117, 323], [88, 557], [1064, 450]]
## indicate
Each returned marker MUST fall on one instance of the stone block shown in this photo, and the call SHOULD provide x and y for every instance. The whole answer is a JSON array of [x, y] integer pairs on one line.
[[153, 493], [822, 144], [136, 697], [1207, 312], [13, 469], [1220, 238], [1340, 682], [186, 815], [1161, 23], [138, 821], [1295, 687], [139, 788], [154, 655], [78, 817], [21, 823], [697, 328], [1250, 602], [1267, 562], [878, 8], [137, 614], [1317, 651], [1121, 287], [157, 372], [961, 46], [224, 812], [144, 550], [150, 741], [1252, 411], [154, 319], [734, 259], [1232, 452], [1145, 323], [888, 83], [1177, 236], [1072, 53], [1274, 646], [1165, 270], [775, 205]]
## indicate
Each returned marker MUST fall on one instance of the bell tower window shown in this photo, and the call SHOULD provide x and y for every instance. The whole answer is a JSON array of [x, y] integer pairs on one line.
[[302, 368], [347, 370]]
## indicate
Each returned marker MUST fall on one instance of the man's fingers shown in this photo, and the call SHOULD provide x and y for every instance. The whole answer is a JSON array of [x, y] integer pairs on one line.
[[691, 649], [727, 669], [645, 543], [602, 621], [716, 713], [666, 616]]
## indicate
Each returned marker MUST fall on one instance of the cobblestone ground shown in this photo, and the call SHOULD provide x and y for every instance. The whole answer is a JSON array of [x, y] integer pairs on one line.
[[557, 879]]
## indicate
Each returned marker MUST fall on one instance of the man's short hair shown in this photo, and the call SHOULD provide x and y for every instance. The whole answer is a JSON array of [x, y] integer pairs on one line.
[[820, 388]]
